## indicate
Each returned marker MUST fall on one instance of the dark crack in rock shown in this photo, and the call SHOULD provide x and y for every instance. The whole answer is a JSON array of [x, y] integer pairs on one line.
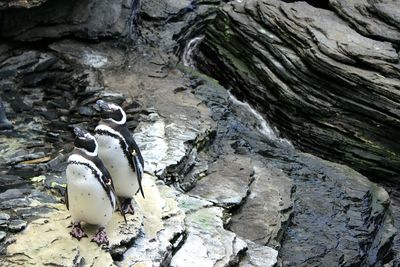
[[264, 217]]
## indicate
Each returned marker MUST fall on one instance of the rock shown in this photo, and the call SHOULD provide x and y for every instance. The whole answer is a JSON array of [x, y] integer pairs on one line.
[[227, 181], [53, 19], [4, 221], [56, 183], [4, 216], [163, 10], [329, 89], [208, 243], [17, 225], [323, 193], [375, 20], [261, 223], [259, 256], [163, 227], [2, 235], [343, 208], [50, 230], [7, 4], [94, 55]]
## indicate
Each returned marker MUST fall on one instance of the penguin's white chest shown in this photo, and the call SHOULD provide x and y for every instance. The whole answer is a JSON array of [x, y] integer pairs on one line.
[[88, 200], [111, 153]]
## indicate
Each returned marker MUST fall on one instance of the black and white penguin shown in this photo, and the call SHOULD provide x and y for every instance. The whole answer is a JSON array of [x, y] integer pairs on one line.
[[90, 195], [120, 153]]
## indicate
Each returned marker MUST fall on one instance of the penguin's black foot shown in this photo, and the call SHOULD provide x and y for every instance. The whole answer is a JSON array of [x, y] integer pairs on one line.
[[127, 206], [101, 237], [77, 231]]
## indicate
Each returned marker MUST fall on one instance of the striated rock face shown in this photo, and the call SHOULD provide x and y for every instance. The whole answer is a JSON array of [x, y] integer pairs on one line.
[[374, 19], [315, 212], [329, 80], [6, 4], [84, 19]]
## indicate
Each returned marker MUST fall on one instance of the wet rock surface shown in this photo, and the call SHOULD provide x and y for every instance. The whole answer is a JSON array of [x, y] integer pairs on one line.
[[328, 79], [213, 168], [7, 4], [53, 19], [319, 191], [257, 255], [227, 181], [258, 221]]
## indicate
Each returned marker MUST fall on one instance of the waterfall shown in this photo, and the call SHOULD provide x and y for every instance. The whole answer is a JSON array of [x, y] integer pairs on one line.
[[262, 125], [187, 57]]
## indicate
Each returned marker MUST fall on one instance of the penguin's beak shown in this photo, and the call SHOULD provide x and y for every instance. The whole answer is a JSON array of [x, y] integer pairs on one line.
[[103, 105], [79, 132]]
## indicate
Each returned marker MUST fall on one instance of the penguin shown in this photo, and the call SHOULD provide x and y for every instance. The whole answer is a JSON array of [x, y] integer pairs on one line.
[[5, 124], [90, 195], [120, 153]]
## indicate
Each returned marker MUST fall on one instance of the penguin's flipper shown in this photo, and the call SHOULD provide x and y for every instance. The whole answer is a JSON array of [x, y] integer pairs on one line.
[[66, 197], [139, 173], [137, 158]]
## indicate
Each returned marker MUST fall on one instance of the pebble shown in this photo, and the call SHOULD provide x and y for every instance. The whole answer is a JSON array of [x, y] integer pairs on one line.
[[2, 235], [4, 216], [17, 225]]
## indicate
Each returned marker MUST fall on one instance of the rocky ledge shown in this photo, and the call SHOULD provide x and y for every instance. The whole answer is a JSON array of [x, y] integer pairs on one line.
[[222, 189], [54, 19], [329, 79], [218, 190]]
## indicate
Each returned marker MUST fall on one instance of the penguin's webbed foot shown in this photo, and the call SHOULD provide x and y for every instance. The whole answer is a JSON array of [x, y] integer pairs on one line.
[[127, 206], [101, 237], [77, 231]]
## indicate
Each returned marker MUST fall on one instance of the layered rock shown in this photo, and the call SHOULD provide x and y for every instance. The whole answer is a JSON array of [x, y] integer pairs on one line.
[[6, 4], [84, 19], [315, 212], [326, 86], [375, 19], [195, 138]]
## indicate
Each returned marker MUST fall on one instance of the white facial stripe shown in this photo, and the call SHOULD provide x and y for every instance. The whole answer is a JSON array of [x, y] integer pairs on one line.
[[112, 131], [123, 120], [79, 158], [113, 106]]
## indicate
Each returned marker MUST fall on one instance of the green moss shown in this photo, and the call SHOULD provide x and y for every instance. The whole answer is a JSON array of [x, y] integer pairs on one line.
[[205, 219], [38, 179]]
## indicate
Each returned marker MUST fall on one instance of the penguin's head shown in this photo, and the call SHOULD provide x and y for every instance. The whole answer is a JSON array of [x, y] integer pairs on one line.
[[85, 141], [111, 112]]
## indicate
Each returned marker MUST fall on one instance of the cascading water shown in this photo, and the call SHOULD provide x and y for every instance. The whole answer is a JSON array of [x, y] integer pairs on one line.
[[262, 125], [187, 57]]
